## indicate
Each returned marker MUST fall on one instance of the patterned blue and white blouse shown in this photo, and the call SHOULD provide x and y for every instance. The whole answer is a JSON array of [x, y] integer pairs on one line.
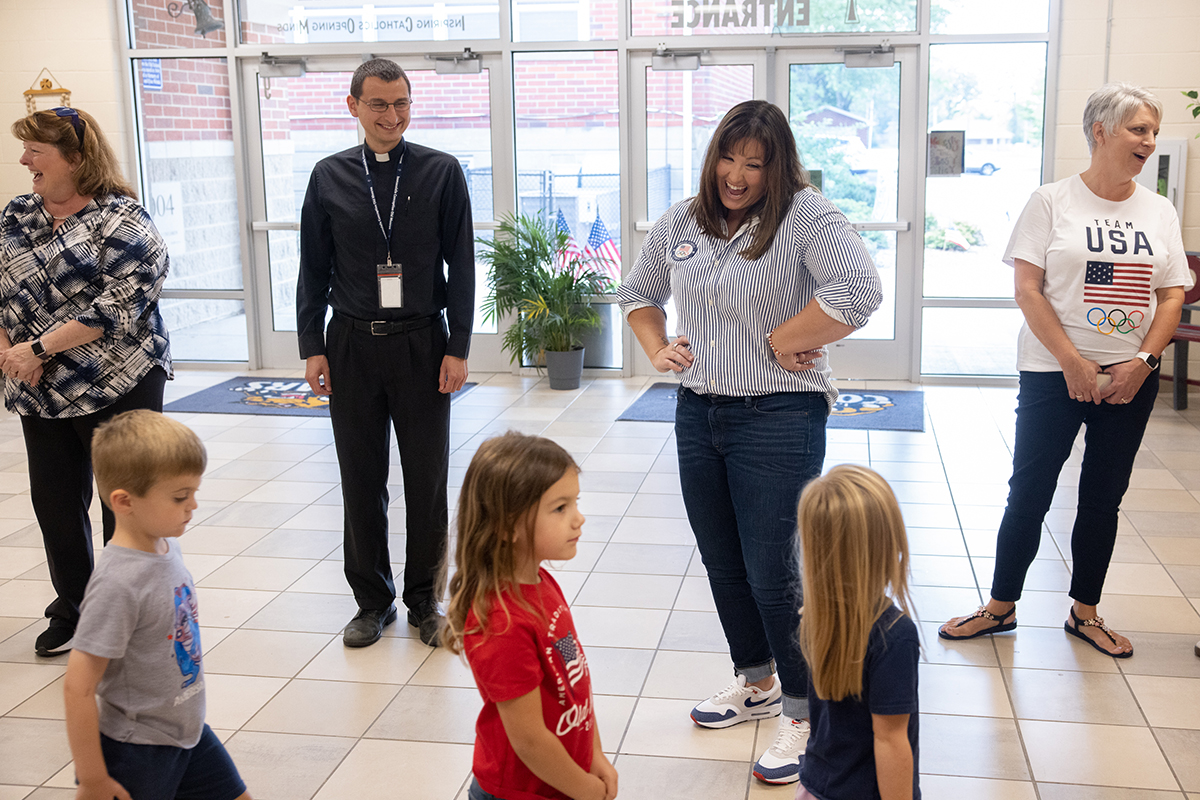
[[727, 304], [104, 267]]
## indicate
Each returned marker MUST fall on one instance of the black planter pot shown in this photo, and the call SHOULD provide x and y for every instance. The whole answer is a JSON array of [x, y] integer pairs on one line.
[[565, 368]]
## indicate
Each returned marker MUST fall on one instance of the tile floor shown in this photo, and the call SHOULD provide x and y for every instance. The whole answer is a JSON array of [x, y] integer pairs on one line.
[[1035, 714]]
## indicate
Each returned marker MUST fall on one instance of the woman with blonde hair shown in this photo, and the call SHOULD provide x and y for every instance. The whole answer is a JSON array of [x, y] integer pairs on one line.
[[81, 338], [859, 639]]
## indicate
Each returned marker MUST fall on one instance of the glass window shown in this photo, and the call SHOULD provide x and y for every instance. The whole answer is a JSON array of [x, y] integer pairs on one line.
[[995, 95], [302, 120], [452, 113], [990, 349], [206, 330], [682, 111], [564, 20], [846, 122], [171, 25], [312, 21], [482, 288], [568, 145], [185, 134], [690, 17], [972, 16]]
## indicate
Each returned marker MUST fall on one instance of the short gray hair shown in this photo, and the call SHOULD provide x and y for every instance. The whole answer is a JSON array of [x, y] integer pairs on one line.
[[1112, 104], [386, 70]]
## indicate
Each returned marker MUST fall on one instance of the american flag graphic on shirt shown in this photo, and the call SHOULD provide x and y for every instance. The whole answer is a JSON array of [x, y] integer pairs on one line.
[[1117, 284], [572, 657]]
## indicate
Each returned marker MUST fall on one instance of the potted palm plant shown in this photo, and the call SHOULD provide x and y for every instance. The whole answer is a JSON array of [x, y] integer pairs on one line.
[[533, 276]]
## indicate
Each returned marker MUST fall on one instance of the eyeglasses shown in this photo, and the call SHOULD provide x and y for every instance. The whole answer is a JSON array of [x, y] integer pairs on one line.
[[76, 121], [379, 106]]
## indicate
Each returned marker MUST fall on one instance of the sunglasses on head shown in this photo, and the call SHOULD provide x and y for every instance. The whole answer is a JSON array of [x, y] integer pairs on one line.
[[76, 121]]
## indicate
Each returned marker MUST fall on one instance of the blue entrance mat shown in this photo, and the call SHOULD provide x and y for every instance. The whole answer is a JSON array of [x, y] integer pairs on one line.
[[880, 410], [287, 397]]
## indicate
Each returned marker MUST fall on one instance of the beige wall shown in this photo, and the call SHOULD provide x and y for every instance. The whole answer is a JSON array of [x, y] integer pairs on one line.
[[1154, 44], [75, 40]]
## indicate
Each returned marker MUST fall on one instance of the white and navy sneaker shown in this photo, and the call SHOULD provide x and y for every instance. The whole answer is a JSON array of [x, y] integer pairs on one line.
[[739, 703], [781, 762]]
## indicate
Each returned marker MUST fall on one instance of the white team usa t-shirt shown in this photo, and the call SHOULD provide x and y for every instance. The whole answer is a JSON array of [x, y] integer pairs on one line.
[[1103, 262]]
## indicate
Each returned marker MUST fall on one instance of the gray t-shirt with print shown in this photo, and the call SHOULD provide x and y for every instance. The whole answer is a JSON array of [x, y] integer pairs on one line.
[[139, 611]]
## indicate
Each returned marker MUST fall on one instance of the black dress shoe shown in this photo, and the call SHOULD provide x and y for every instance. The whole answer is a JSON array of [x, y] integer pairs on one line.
[[55, 640], [428, 620], [367, 626]]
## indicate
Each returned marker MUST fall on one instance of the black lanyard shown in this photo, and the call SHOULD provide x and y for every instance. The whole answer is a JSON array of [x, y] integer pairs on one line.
[[387, 232]]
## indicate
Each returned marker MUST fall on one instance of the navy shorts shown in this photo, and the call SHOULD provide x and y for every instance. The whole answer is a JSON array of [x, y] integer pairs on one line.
[[162, 772]]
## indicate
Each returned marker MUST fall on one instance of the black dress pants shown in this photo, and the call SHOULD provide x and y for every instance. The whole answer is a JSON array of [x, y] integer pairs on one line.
[[60, 484], [377, 381]]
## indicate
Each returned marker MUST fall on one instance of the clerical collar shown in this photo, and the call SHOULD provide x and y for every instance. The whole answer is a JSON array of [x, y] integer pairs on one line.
[[398, 151]]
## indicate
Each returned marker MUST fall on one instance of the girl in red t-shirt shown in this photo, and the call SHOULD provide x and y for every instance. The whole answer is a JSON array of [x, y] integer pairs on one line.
[[536, 736]]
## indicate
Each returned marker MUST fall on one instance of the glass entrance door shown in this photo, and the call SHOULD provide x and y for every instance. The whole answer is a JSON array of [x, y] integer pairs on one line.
[[685, 94], [296, 121], [853, 120]]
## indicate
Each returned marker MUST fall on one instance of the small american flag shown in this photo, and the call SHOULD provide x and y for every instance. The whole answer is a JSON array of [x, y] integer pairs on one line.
[[601, 247], [572, 657], [1117, 284], [571, 252]]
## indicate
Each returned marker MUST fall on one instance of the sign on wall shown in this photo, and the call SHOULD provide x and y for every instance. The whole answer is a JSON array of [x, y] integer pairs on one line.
[[946, 152], [151, 69], [330, 21], [165, 205]]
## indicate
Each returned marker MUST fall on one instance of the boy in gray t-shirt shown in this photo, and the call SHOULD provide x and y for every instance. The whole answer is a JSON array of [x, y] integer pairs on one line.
[[135, 682]]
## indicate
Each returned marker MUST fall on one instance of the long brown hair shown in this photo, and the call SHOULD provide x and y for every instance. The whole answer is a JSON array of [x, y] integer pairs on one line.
[[855, 561], [99, 172], [764, 123], [497, 508]]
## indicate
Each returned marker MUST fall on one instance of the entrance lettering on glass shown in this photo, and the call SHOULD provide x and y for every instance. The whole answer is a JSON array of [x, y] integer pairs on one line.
[[738, 13]]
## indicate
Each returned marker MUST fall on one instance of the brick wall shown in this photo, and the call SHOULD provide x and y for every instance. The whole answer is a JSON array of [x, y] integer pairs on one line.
[[192, 105], [591, 96], [154, 27], [714, 91]]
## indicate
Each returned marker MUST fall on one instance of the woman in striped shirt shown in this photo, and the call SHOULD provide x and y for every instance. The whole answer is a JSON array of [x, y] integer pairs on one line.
[[765, 272]]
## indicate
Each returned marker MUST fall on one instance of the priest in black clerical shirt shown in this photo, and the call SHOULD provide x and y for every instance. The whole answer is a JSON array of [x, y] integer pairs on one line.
[[379, 222]]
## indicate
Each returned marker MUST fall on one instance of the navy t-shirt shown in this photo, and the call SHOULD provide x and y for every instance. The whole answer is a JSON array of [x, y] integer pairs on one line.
[[840, 759]]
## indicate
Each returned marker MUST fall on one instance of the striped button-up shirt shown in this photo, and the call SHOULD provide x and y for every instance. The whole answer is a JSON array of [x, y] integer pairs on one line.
[[104, 267], [727, 305]]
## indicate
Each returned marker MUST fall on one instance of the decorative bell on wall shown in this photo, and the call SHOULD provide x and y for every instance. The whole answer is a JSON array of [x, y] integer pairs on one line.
[[205, 23]]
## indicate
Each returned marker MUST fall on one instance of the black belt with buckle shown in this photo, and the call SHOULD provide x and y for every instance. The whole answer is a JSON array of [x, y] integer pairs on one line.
[[385, 327]]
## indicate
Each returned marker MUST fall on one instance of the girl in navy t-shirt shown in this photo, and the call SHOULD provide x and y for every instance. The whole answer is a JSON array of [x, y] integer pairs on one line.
[[536, 736], [861, 649]]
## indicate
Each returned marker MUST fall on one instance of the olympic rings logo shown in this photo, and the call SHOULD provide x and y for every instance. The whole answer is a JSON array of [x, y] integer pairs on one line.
[[1126, 324]]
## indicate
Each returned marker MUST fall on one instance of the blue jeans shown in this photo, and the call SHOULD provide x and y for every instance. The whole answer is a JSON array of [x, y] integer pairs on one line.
[[1047, 423], [476, 792], [742, 464]]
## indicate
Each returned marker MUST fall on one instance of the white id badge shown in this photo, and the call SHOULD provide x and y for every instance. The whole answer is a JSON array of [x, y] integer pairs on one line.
[[391, 286]]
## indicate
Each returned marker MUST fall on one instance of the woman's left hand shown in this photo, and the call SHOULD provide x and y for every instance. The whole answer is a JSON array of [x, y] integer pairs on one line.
[[19, 362], [1127, 378], [798, 362]]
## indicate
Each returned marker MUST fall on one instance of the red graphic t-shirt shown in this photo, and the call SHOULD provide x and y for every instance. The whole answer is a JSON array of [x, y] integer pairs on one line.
[[518, 652]]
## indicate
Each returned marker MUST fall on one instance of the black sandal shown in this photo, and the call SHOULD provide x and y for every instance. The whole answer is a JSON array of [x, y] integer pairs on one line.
[[1095, 623], [1000, 627]]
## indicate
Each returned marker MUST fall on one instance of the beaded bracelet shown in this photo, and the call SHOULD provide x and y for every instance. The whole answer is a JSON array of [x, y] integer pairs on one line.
[[771, 344]]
